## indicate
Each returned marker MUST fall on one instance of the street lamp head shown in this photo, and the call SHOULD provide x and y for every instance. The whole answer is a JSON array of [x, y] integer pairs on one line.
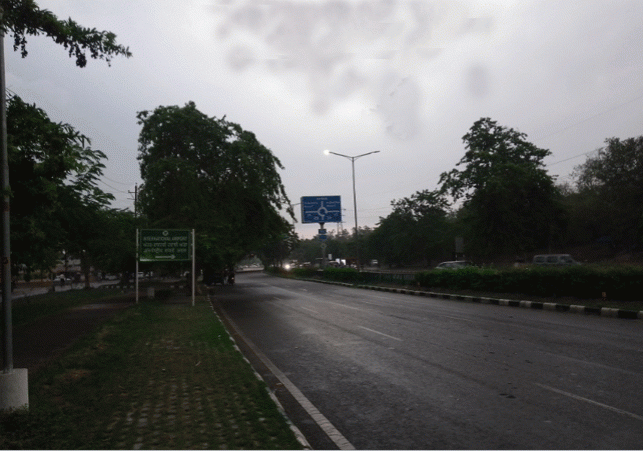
[[326, 152]]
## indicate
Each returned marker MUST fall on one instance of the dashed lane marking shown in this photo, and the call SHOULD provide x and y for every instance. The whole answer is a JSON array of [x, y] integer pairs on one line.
[[590, 401], [380, 333]]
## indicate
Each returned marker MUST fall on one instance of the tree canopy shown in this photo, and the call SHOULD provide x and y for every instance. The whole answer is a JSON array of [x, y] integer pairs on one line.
[[414, 231], [22, 18], [510, 200], [610, 191], [54, 174], [209, 174]]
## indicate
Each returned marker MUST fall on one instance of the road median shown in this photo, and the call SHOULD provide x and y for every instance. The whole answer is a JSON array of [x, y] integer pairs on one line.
[[160, 374]]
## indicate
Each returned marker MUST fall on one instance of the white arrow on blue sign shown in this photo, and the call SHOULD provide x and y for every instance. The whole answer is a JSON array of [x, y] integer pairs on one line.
[[321, 209]]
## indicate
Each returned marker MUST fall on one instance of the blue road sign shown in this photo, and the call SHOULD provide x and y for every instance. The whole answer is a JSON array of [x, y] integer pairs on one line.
[[321, 209]]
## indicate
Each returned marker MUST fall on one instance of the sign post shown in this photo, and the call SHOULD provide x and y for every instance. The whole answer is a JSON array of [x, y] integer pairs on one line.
[[321, 209], [166, 245]]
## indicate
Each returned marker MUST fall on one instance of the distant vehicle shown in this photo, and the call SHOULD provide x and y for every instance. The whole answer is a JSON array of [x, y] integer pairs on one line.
[[554, 260], [216, 278], [456, 264]]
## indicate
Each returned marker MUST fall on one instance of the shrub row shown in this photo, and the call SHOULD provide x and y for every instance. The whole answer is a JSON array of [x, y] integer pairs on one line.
[[625, 283], [305, 273]]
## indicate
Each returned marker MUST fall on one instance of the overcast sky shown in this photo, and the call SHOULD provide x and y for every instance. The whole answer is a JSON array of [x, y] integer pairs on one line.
[[407, 78]]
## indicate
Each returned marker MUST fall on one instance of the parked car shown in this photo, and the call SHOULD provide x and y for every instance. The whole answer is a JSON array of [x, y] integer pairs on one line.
[[554, 260], [456, 264]]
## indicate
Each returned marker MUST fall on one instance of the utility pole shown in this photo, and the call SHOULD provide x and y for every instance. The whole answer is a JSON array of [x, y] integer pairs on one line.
[[135, 193], [136, 226], [6, 231]]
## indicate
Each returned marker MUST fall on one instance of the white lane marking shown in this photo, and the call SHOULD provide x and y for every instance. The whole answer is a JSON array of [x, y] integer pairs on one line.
[[380, 333], [316, 415], [344, 305], [456, 318], [310, 310], [596, 403], [599, 365]]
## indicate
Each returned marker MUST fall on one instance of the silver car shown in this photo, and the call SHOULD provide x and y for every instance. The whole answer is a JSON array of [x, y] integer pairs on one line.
[[554, 260], [456, 264]]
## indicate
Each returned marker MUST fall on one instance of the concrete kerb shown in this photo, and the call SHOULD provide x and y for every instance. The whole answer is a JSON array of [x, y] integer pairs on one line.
[[550, 306]]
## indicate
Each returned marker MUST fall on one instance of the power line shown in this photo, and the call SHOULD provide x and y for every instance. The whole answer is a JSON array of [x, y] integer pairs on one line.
[[592, 117], [115, 189], [114, 181]]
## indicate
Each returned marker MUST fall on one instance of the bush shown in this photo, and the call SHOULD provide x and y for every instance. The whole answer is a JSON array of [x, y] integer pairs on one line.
[[348, 275], [305, 273], [586, 281], [163, 294]]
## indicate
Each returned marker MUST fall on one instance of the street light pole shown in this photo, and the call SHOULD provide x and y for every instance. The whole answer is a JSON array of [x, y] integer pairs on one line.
[[6, 235], [14, 382], [327, 152]]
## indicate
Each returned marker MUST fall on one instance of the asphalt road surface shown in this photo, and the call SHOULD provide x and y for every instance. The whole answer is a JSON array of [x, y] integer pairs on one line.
[[394, 371]]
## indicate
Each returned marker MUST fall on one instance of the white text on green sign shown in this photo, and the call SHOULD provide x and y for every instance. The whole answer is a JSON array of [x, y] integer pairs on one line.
[[165, 245]]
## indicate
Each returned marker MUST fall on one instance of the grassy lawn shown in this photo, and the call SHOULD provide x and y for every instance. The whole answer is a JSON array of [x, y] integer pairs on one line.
[[28, 309], [161, 376]]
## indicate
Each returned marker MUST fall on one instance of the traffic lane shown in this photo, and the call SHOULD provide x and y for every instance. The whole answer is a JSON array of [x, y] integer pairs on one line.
[[366, 383], [559, 347], [304, 333], [592, 354], [594, 342], [475, 406]]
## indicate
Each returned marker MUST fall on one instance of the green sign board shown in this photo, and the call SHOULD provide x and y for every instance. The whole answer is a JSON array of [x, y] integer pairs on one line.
[[165, 245]]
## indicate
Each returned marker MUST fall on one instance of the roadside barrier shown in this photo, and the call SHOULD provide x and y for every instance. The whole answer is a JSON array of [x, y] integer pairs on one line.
[[601, 311]]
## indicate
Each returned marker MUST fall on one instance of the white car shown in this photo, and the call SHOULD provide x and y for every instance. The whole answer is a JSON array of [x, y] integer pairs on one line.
[[554, 260], [456, 264]]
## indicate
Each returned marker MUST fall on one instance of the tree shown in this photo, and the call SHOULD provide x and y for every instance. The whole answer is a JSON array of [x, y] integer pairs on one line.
[[111, 246], [512, 204], [54, 174], [41, 154], [210, 174], [22, 18], [610, 186], [414, 231]]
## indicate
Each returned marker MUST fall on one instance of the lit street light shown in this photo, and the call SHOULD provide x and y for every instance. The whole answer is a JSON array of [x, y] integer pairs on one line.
[[328, 152]]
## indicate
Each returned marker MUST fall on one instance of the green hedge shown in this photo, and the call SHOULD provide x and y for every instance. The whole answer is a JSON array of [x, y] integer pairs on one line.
[[584, 281], [305, 273], [347, 275]]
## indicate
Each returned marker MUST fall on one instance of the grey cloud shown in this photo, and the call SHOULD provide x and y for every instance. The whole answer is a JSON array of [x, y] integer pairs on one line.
[[477, 80], [326, 41], [399, 106], [240, 57]]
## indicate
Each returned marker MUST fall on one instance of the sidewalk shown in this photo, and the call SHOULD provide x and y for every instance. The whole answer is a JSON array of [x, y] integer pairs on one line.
[[158, 375]]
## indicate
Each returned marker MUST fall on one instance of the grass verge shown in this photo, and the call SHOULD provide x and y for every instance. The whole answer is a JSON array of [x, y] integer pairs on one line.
[[28, 309], [158, 375]]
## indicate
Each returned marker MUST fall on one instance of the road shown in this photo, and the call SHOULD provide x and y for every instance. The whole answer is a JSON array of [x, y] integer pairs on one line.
[[393, 371], [26, 290]]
